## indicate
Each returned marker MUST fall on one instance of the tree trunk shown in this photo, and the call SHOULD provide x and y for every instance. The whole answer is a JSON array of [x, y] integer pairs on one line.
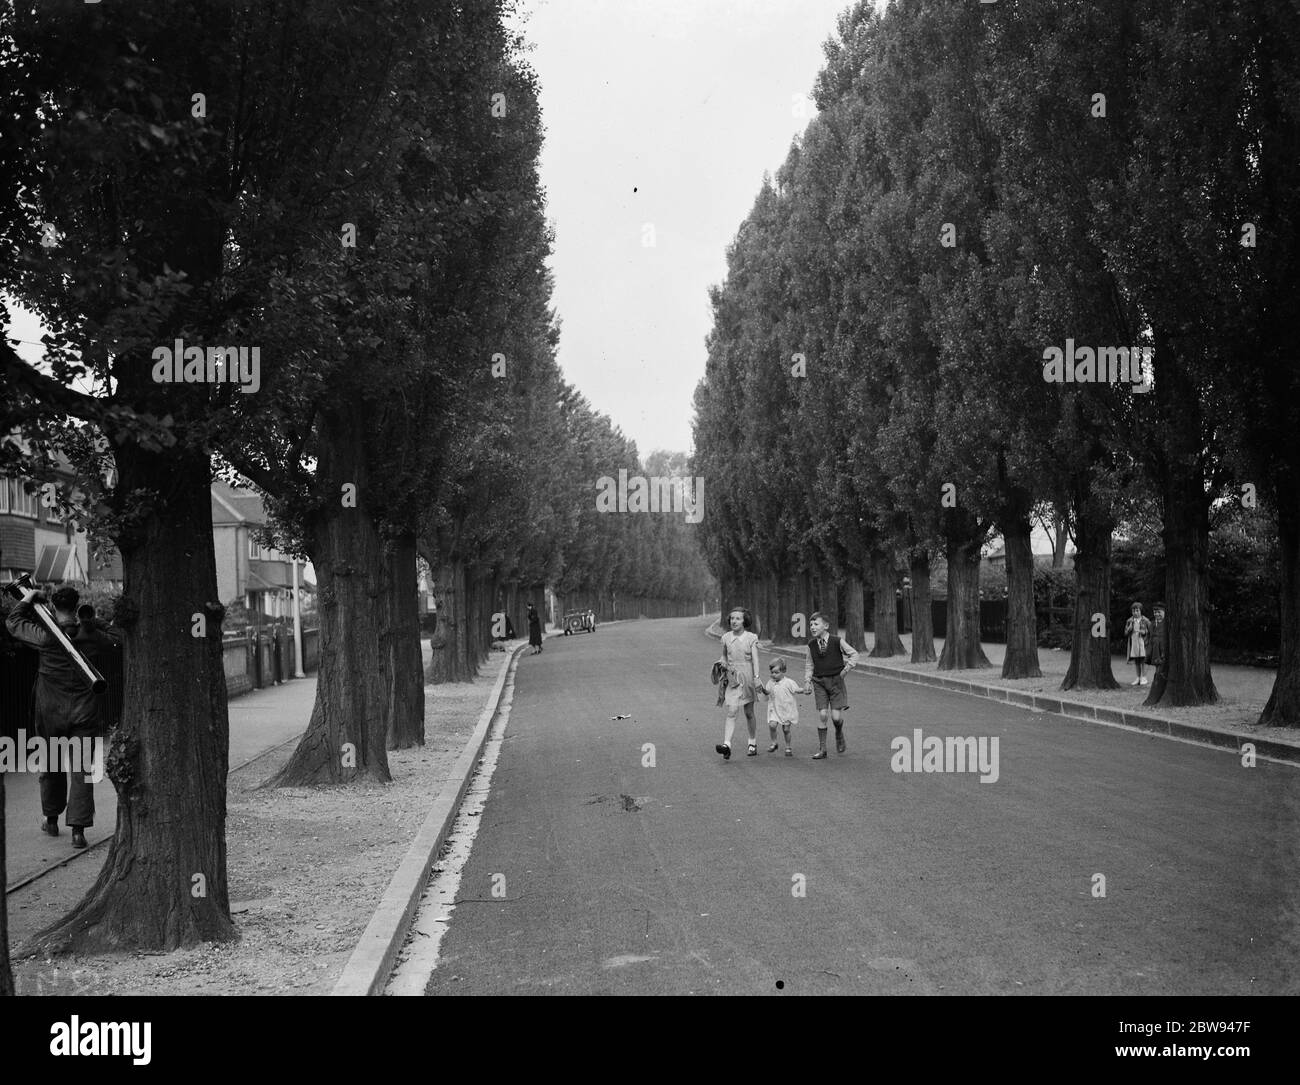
[[961, 646], [347, 736], [804, 604], [1187, 593], [402, 635], [854, 614], [1090, 655], [771, 607], [1060, 540], [785, 610], [511, 604], [830, 600], [6, 973], [163, 883], [885, 609], [1021, 660], [1283, 707], [922, 616], [450, 662]]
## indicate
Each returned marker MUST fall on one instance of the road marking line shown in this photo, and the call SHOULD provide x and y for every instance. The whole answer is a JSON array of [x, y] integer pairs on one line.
[[419, 955]]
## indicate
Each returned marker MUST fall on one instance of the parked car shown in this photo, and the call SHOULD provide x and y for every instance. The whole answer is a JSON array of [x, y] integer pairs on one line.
[[579, 621]]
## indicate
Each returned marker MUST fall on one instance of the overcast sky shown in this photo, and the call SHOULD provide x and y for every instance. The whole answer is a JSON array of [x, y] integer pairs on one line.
[[659, 113], [662, 116]]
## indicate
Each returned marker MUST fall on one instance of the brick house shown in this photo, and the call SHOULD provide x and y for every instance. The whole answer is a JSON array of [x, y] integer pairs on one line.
[[39, 540], [258, 576]]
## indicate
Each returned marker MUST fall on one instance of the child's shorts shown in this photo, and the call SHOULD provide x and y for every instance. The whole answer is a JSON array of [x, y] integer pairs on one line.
[[829, 691]]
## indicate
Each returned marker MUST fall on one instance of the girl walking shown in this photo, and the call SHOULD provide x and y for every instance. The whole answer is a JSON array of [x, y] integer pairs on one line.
[[1136, 630], [740, 657]]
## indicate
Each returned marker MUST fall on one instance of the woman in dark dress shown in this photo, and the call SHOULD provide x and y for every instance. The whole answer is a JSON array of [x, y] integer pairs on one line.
[[534, 629]]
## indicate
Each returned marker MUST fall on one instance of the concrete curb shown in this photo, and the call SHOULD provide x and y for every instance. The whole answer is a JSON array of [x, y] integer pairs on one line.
[[1277, 749], [372, 961]]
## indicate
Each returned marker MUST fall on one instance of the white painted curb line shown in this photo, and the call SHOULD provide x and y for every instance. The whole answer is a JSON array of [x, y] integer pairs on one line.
[[371, 963]]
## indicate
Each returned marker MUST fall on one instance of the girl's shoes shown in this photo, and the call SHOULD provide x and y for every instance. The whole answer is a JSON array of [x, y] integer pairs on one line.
[[1143, 682], [753, 750], [819, 755], [773, 748], [789, 752], [1136, 682], [724, 749]]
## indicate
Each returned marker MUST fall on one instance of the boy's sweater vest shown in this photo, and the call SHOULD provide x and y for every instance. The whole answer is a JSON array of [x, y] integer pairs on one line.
[[829, 663]]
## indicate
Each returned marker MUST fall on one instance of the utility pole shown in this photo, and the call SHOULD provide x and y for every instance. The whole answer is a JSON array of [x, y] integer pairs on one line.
[[297, 627]]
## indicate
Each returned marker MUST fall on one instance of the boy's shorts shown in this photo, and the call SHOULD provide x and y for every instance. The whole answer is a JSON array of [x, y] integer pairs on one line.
[[829, 691]]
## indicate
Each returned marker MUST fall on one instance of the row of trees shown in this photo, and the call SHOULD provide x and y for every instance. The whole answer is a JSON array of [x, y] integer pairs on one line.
[[984, 183], [352, 189]]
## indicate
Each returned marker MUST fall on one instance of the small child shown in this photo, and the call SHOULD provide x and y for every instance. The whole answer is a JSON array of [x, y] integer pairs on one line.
[[782, 708], [1136, 630]]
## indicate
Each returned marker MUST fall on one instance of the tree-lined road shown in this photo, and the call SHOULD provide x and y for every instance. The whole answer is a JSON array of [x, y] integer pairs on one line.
[[678, 878]]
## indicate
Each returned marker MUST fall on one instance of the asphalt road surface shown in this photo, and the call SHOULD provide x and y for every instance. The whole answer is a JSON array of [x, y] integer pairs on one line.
[[683, 877]]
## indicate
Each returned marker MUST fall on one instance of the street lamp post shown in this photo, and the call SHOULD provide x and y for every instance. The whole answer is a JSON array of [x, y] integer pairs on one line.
[[298, 672]]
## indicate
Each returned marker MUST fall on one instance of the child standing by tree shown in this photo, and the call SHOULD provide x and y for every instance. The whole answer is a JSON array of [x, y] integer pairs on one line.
[[782, 708], [829, 659], [1136, 630], [740, 657]]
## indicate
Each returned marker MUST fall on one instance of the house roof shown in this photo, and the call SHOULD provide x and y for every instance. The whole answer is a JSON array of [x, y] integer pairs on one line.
[[235, 505]]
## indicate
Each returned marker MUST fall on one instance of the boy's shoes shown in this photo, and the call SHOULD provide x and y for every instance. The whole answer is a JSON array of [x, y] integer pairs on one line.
[[78, 837], [752, 751], [840, 746], [724, 749], [773, 748], [50, 826], [1136, 682], [1142, 682], [819, 755], [789, 752]]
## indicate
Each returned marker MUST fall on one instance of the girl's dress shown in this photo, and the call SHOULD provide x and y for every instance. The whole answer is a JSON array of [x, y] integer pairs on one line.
[[1137, 639], [738, 649]]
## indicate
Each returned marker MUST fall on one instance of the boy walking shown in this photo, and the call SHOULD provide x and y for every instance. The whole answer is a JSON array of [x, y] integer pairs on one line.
[[782, 708], [829, 660]]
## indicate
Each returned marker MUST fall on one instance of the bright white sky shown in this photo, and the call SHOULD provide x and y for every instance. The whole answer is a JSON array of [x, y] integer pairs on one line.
[[667, 113], [661, 114]]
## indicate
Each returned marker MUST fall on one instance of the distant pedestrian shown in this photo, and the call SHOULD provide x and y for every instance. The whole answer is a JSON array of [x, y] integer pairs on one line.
[[65, 705], [534, 629], [740, 657], [1136, 631], [1159, 657], [829, 660], [782, 707]]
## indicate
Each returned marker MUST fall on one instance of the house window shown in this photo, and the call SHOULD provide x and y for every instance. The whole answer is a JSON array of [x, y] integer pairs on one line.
[[20, 502], [254, 551]]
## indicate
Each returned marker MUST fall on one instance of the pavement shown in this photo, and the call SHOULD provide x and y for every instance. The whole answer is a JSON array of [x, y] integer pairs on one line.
[[1229, 724], [1100, 861], [259, 721]]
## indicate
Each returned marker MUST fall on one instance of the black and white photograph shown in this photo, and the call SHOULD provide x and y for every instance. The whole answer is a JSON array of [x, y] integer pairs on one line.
[[651, 498]]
